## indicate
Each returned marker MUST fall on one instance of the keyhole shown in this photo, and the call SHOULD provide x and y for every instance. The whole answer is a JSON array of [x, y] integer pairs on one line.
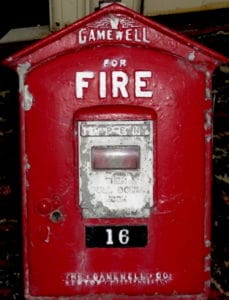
[[56, 216]]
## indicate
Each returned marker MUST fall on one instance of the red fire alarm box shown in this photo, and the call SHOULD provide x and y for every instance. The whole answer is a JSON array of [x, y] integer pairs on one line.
[[116, 134]]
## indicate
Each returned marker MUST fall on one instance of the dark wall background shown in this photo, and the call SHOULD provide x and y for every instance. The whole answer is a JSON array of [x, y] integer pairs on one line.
[[23, 13], [208, 28]]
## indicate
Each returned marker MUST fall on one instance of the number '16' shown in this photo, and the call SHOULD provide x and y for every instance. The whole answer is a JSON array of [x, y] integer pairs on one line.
[[123, 237]]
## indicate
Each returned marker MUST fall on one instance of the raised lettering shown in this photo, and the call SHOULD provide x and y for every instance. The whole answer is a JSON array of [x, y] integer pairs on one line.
[[91, 36], [127, 34], [82, 36], [120, 81], [101, 35], [81, 83], [102, 86], [140, 82], [136, 37], [144, 36], [119, 35], [110, 35], [114, 83]]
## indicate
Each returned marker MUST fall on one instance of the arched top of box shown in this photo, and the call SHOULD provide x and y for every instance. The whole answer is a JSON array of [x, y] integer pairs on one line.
[[115, 24]]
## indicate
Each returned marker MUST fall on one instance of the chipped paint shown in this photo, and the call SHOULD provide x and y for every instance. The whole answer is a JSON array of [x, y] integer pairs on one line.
[[207, 263], [9, 59], [28, 98], [207, 243], [208, 119], [26, 160], [208, 89], [27, 166], [47, 240], [208, 75], [208, 93], [208, 138], [191, 56], [24, 89]]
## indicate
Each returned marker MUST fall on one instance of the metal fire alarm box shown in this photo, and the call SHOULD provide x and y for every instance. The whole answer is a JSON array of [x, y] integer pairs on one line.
[[116, 133]]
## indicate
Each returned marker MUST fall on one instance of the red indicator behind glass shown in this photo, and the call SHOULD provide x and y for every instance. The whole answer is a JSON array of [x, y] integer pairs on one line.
[[115, 157]]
